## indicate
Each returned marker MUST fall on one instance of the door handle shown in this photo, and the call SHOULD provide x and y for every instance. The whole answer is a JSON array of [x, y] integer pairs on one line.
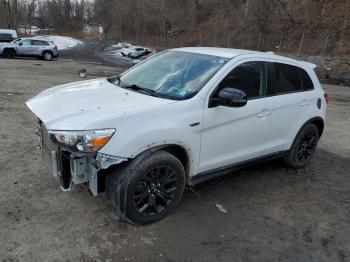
[[263, 114]]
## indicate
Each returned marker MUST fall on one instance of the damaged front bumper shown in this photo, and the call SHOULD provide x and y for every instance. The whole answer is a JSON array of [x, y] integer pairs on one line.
[[72, 168]]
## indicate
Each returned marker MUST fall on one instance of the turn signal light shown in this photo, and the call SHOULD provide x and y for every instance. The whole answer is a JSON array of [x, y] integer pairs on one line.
[[98, 141]]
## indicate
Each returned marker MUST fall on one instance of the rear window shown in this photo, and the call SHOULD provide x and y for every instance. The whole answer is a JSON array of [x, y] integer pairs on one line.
[[305, 80], [38, 42], [290, 78]]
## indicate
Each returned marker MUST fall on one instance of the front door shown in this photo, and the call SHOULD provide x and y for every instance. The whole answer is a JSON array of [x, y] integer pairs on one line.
[[232, 135], [24, 47]]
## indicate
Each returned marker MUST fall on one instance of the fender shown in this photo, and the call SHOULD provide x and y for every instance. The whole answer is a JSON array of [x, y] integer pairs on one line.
[[42, 53], [312, 120], [9, 48], [186, 155]]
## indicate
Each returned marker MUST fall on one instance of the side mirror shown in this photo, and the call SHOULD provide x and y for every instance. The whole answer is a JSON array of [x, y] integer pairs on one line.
[[230, 97], [20, 44]]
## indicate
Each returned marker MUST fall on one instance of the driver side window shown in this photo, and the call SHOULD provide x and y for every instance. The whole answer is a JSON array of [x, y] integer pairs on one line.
[[26, 42], [249, 77]]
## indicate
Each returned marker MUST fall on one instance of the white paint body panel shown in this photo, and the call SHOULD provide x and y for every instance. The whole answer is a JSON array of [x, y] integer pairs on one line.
[[224, 136]]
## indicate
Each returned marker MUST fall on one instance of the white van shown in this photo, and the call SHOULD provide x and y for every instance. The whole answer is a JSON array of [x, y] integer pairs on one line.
[[7, 35]]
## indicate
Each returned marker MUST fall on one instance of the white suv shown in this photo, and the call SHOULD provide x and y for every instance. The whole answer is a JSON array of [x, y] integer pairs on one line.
[[181, 117]]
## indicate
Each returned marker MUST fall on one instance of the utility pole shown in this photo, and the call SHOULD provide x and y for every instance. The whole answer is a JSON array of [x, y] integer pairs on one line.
[[301, 43], [246, 9]]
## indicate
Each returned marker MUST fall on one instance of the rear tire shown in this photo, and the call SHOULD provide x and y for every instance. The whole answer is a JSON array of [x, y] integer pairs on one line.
[[9, 53], [155, 186], [304, 147], [47, 56]]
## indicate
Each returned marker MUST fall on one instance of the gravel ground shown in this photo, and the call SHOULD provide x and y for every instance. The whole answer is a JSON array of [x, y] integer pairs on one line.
[[273, 213]]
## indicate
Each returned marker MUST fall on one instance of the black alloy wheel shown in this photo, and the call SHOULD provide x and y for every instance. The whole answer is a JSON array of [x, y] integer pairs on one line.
[[304, 147], [155, 191]]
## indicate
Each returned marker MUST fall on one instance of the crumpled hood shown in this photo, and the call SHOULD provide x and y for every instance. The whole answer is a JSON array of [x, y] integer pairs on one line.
[[77, 106]]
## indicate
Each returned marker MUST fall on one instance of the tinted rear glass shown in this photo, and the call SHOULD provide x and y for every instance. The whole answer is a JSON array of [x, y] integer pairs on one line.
[[290, 78], [38, 42], [306, 80]]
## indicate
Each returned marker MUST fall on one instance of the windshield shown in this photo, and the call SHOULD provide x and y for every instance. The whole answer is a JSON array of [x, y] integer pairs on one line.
[[173, 74]]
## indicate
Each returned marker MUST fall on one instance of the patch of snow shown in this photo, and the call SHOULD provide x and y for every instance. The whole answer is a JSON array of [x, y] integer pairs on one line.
[[62, 42], [28, 29]]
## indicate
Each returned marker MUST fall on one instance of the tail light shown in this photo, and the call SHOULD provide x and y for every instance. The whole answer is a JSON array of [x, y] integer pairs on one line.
[[326, 97]]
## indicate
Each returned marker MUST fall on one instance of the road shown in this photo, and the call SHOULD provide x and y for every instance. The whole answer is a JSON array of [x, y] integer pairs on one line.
[[98, 51], [273, 213]]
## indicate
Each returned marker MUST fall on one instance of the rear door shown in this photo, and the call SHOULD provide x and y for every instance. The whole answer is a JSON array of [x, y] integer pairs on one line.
[[39, 46], [291, 101]]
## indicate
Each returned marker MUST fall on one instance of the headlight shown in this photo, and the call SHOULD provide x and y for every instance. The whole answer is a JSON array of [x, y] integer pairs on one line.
[[83, 141]]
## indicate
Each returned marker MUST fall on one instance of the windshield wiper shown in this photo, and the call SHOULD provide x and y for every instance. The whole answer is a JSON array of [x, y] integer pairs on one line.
[[142, 90]]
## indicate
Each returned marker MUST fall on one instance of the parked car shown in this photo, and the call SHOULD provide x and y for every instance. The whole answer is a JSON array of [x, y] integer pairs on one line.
[[134, 51], [181, 117], [7, 35], [122, 45], [144, 57], [29, 29], [137, 54], [29, 47]]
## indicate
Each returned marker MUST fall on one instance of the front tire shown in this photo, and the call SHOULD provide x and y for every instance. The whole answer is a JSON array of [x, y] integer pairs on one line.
[[156, 184], [303, 147], [9, 54]]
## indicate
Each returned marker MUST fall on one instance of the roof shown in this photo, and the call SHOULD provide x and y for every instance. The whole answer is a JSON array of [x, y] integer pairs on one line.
[[216, 51], [9, 31], [231, 53]]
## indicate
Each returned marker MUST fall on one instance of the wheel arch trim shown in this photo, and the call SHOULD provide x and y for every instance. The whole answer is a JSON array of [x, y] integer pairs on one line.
[[318, 121], [10, 49], [178, 150], [43, 52]]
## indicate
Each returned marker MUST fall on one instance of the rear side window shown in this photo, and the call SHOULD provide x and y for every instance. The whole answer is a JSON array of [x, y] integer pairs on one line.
[[290, 79], [38, 42], [305, 80]]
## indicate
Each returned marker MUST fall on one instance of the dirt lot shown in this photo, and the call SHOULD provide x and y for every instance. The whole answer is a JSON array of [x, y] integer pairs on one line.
[[274, 213]]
